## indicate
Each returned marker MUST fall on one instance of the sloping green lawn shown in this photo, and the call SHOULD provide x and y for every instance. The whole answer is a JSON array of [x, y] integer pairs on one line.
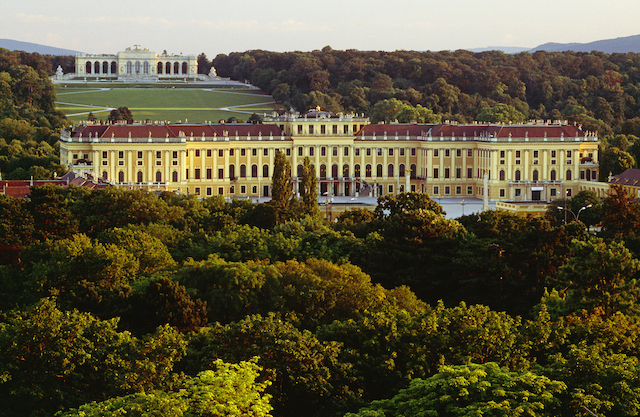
[[163, 103]]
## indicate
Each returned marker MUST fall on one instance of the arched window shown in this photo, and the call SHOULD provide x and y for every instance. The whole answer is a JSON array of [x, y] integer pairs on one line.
[[129, 67], [139, 177], [159, 176], [176, 68], [390, 170], [88, 68], [414, 172], [553, 175], [345, 170], [401, 172], [568, 175], [137, 67], [502, 175], [265, 171], [323, 171], [121, 176], [105, 67], [160, 67], [299, 170], [145, 67], [243, 171], [168, 68], [232, 171], [174, 176], [96, 67], [357, 171], [535, 175], [254, 171], [367, 170], [114, 67], [105, 175], [184, 67], [379, 170], [517, 175], [334, 171]]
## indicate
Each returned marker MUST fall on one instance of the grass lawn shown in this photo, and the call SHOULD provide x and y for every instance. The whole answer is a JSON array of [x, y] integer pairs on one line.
[[163, 102]]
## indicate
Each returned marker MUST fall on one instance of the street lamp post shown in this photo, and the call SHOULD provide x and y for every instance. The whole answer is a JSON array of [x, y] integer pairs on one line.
[[576, 216]]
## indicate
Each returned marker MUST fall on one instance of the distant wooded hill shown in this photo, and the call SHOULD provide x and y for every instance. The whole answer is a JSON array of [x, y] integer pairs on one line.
[[13, 45], [608, 46]]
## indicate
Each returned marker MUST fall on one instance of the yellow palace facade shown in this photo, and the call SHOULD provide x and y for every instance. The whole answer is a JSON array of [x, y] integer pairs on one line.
[[351, 157]]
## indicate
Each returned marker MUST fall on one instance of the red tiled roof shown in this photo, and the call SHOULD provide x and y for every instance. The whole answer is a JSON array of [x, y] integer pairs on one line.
[[176, 130], [22, 188], [476, 130]]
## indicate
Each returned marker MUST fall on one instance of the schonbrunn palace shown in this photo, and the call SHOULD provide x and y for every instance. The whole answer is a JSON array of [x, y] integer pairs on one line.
[[351, 157]]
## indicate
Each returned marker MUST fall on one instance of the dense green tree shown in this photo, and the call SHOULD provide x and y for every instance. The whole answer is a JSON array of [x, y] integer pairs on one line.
[[50, 211], [614, 161], [601, 274], [162, 301], [121, 114], [309, 187], [473, 390], [404, 202], [306, 376], [51, 360], [500, 113], [230, 389]]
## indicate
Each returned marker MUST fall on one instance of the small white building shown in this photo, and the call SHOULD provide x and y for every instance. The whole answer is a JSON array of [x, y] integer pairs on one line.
[[137, 64]]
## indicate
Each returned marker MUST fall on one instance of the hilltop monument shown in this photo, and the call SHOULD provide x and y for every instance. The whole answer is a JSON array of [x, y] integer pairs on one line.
[[137, 64]]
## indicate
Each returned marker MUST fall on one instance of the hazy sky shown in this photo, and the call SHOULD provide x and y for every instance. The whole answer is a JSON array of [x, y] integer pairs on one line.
[[213, 27]]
